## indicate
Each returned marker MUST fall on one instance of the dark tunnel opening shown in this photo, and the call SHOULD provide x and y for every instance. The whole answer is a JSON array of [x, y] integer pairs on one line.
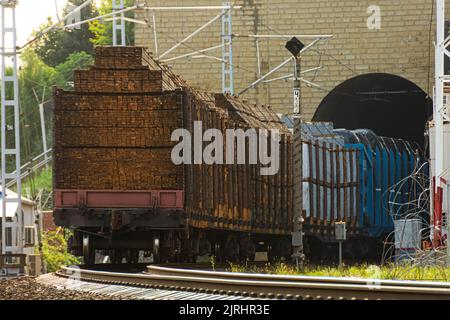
[[389, 105]]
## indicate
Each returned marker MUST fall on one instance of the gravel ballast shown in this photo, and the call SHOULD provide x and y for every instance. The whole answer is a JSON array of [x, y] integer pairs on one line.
[[27, 288]]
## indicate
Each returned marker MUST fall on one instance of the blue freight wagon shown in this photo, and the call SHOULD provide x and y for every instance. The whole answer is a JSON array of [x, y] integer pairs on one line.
[[357, 177]]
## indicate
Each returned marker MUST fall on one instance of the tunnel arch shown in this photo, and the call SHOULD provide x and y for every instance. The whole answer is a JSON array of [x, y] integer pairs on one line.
[[389, 105]]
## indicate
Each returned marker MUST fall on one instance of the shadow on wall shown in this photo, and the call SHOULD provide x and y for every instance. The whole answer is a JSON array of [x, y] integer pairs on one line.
[[389, 105]]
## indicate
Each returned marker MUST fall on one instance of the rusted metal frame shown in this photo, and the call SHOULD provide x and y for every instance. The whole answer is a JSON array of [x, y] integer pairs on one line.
[[352, 189], [328, 184], [184, 121], [246, 188], [358, 187], [233, 202], [279, 187], [241, 196], [252, 206], [190, 198], [215, 178], [211, 178], [283, 182], [338, 183], [203, 202], [266, 201], [236, 186], [207, 173], [345, 170], [258, 194], [278, 208], [332, 185], [202, 167], [199, 168], [311, 186], [287, 187], [229, 181], [317, 186], [289, 192], [325, 183], [270, 190], [223, 181], [195, 175]]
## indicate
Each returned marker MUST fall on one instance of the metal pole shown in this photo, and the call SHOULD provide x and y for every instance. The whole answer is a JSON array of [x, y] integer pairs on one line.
[[10, 144], [340, 253], [44, 134], [439, 101], [281, 65], [3, 124], [116, 27], [297, 146], [194, 33], [155, 35], [227, 50], [122, 24]]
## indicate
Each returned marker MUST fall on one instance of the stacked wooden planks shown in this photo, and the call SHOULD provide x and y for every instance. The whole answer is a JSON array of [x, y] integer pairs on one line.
[[113, 131], [236, 196]]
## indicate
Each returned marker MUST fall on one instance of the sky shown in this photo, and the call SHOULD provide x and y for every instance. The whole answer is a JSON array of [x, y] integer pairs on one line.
[[30, 14]]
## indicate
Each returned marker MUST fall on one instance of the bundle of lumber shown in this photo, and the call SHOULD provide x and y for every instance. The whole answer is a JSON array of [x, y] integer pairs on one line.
[[113, 131]]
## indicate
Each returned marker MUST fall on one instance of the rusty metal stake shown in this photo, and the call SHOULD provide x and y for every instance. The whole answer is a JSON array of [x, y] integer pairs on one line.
[[297, 234]]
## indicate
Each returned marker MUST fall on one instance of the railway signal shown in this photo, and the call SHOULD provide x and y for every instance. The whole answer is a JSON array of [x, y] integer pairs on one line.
[[295, 46]]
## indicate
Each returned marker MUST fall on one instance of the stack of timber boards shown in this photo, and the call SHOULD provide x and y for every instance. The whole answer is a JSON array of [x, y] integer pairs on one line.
[[117, 137], [113, 131]]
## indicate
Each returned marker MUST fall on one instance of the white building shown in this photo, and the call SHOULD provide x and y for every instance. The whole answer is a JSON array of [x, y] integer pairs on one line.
[[30, 226]]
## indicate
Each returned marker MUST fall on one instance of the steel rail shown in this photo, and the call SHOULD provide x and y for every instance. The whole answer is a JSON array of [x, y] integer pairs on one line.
[[279, 287], [186, 271]]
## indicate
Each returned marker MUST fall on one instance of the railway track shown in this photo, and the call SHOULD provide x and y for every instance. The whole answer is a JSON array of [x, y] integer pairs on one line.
[[160, 282]]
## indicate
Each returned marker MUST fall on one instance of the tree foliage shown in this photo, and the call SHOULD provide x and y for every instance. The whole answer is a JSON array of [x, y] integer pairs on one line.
[[54, 250], [103, 31], [56, 46], [75, 61], [36, 80]]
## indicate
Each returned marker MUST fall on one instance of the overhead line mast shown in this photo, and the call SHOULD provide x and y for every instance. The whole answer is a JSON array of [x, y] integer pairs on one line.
[[440, 118], [119, 23], [10, 129]]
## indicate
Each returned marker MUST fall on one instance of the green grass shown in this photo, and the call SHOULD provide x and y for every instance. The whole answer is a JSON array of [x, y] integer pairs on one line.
[[388, 272], [40, 181]]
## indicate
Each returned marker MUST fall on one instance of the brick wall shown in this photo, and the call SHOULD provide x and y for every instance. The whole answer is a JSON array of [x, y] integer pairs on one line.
[[400, 47], [48, 224]]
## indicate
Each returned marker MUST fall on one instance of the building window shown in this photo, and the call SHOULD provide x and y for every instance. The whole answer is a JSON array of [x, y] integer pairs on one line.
[[29, 236], [8, 235]]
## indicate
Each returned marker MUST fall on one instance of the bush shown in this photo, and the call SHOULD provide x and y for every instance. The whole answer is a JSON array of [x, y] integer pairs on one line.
[[54, 249]]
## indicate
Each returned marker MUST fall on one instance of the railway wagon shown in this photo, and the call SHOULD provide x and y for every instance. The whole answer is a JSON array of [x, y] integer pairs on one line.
[[357, 177], [117, 186], [116, 183]]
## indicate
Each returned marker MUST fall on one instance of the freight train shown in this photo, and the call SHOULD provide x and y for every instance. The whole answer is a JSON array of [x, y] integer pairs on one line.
[[117, 186]]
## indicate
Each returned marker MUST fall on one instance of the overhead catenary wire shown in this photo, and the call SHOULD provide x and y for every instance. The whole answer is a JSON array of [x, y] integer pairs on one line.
[[55, 25]]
